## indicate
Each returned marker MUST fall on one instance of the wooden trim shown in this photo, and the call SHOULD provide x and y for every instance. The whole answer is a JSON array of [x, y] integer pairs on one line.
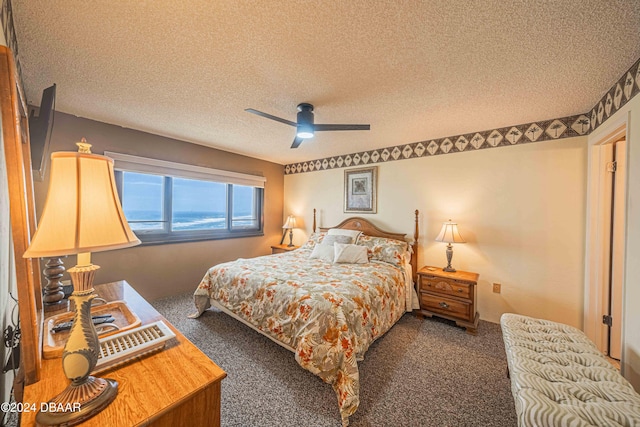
[[15, 135]]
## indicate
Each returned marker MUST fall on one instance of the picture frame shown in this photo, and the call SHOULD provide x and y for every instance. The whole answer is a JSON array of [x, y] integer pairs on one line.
[[360, 186]]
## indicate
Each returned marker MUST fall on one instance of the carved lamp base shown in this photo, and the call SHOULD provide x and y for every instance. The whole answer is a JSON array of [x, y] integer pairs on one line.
[[448, 268], [86, 395], [79, 402]]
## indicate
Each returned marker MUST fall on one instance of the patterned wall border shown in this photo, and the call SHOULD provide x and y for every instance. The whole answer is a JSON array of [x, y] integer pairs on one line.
[[547, 130]]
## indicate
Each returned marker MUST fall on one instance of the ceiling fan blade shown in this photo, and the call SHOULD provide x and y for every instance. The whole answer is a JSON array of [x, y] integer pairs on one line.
[[296, 142], [269, 116], [341, 127]]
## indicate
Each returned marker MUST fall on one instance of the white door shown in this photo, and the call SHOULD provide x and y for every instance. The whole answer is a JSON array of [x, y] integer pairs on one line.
[[617, 249]]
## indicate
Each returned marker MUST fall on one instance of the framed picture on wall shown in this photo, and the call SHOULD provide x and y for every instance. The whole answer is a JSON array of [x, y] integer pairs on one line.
[[360, 190]]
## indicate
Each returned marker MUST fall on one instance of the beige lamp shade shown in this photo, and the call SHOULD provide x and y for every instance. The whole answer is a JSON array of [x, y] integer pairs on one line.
[[290, 223], [449, 233], [82, 212]]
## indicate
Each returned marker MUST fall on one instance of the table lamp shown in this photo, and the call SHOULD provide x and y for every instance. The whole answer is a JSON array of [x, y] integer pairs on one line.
[[449, 234], [82, 214], [290, 224]]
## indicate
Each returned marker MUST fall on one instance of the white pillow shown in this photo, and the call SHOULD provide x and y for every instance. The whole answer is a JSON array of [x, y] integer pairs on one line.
[[354, 234], [349, 254], [330, 240], [322, 252]]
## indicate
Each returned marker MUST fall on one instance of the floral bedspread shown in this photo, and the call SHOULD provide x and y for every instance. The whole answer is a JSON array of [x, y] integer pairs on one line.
[[328, 313]]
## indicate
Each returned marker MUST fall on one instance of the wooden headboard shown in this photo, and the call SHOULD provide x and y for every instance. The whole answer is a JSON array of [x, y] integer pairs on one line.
[[364, 225]]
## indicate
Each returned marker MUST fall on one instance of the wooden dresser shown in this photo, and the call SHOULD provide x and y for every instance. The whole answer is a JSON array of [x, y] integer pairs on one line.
[[449, 295], [177, 386]]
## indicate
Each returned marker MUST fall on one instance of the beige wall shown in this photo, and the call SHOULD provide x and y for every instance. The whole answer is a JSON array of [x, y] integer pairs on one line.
[[521, 210], [160, 270]]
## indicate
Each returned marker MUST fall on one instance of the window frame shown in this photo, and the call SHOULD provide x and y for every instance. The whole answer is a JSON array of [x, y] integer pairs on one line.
[[170, 170]]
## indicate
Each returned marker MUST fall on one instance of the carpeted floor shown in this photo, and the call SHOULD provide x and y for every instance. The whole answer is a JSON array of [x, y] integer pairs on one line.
[[421, 373]]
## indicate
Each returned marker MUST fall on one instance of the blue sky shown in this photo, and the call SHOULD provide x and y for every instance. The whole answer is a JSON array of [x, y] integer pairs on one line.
[[143, 192]]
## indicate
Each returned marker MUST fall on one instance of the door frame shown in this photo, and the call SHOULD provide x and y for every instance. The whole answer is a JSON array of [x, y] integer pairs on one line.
[[596, 300]]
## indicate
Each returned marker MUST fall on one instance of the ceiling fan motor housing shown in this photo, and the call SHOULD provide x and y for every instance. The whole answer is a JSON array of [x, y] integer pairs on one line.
[[305, 121]]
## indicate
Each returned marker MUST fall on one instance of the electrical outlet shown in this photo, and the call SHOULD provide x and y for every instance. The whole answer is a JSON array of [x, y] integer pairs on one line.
[[496, 288]]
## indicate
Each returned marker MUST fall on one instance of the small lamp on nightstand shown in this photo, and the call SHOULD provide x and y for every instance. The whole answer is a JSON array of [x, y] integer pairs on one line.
[[290, 224], [82, 214], [449, 234]]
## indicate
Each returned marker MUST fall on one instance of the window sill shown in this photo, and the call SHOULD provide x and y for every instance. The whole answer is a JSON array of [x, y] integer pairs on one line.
[[163, 239]]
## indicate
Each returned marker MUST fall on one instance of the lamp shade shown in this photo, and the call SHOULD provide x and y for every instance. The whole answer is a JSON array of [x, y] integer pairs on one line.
[[290, 223], [449, 233], [82, 212]]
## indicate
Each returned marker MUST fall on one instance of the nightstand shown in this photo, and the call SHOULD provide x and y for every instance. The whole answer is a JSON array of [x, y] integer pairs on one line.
[[279, 249], [449, 295]]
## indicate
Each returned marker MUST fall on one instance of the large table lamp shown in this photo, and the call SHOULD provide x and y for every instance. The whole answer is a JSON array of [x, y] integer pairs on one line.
[[449, 234], [82, 214]]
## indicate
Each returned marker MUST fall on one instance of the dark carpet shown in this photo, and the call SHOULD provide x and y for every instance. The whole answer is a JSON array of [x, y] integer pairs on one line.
[[421, 373]]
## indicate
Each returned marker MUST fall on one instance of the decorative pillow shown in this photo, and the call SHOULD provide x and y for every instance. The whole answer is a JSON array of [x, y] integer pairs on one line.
[[386, 250], [349, 254], [314, 239], [323, 252], [354, 234], [330, 240]]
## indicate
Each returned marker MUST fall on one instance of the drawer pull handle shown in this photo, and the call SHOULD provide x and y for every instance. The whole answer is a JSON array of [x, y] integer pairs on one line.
[[444, 305], [459, 289]]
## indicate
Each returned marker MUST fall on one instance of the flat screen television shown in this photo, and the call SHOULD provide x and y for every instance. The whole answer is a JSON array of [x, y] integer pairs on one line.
[[40, 127]]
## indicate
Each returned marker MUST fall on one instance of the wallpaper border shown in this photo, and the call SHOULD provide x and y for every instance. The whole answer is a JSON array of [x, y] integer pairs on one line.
[[627, 86]]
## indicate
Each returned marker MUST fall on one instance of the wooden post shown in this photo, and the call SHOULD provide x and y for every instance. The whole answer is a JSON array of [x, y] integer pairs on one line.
[[414, 259], [17, 151]]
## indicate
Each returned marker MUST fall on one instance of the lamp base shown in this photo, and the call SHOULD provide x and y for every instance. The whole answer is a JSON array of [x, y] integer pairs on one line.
[[78, 402], [290, 245], [448, 268], [53, 297]]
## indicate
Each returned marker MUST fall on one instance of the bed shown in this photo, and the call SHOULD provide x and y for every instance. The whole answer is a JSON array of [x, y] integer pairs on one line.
[[327, 313]]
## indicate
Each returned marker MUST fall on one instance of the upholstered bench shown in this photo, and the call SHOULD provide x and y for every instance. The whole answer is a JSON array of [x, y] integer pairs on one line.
[[560, 378]]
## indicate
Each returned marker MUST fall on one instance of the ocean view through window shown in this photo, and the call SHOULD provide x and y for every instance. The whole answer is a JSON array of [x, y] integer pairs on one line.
[[163, 208]]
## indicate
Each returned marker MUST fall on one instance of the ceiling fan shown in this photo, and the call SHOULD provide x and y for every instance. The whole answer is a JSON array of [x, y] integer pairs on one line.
[[304, 124]]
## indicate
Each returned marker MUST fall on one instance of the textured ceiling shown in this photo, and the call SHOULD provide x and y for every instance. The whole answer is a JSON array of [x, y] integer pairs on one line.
[[414, 70]]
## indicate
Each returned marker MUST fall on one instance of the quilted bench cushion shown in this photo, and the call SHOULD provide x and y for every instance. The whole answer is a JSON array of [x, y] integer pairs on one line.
[[560, 378]]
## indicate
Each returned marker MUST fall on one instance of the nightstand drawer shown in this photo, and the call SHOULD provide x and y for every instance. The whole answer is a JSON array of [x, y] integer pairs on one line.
[[446, 306], [445, 286]]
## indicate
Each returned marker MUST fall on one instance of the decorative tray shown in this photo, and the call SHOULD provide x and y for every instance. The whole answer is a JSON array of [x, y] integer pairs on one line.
[[124, 319]]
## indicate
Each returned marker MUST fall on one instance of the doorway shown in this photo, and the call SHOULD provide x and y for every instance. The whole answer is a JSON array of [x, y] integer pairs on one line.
[[612, 288], [606, 225]]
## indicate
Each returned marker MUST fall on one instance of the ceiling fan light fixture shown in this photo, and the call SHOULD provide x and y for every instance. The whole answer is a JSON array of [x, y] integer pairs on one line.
[[305, 131]]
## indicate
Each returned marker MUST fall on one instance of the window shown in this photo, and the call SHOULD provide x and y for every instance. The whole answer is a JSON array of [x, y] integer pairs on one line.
[[171, 202], [142, 198]]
